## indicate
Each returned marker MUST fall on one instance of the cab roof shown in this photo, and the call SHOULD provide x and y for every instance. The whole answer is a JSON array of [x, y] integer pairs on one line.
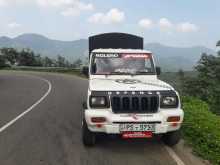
[[121, 51]]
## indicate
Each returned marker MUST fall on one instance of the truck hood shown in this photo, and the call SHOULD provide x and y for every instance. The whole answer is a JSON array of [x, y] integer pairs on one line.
[[131, 84]]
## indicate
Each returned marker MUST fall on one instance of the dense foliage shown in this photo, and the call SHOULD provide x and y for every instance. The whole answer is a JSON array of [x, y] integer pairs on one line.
[[26, 57], [201, 126], [201, 129], [206, 85]]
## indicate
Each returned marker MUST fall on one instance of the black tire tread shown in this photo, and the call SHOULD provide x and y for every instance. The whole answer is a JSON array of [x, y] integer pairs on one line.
[[88, 137], [172, 138]]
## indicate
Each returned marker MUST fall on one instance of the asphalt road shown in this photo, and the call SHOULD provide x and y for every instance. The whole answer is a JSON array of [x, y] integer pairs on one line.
[[50, 134]]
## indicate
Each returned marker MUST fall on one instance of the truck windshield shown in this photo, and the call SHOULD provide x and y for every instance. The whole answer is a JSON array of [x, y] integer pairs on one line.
[[122, 64]]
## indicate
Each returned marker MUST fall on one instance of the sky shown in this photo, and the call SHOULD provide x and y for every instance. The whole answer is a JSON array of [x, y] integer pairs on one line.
[[182, 23]]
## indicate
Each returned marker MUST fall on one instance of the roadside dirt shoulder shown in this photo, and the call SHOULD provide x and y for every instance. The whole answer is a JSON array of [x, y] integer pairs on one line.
[[186, 154]]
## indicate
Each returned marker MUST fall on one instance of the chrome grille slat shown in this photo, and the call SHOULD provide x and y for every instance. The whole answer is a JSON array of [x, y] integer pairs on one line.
[[135, 103]]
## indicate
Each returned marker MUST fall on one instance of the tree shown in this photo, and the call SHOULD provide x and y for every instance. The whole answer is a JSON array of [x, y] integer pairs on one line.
[[28, 58], [37, 61], [10, 54], [67, 64], [77, 63], [181, 77], [2, 61], [206, 85], [47, 62], [61, 61]]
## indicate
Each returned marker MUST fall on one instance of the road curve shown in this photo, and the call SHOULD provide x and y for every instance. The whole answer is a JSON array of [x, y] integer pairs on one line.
[[50, 134]]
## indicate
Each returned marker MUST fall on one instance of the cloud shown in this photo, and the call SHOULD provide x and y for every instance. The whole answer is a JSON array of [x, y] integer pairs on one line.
[[187, 27], [113, 16], [145, 23], [14, 25], [77, 9], [68, 7], [65, 7], [165, 24]]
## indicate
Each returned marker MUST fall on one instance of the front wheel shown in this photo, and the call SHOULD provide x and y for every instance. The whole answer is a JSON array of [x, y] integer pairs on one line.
[[88, 137], [172, 138]]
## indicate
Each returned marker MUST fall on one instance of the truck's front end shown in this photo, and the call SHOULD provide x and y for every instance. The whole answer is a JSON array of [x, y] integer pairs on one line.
[[125, 97]]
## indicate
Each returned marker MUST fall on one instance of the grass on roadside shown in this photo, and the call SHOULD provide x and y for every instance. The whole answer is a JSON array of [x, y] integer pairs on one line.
[[202, 129]]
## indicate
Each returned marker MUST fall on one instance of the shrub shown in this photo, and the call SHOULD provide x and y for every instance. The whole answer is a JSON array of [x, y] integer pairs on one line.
[[201, 129]]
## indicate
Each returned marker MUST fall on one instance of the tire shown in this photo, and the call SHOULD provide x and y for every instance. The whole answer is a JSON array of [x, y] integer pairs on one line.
[[172, 138], [88, 137]]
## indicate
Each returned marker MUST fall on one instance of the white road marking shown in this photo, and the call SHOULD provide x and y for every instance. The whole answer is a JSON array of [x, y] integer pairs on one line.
[[29, 109], [175, 157]]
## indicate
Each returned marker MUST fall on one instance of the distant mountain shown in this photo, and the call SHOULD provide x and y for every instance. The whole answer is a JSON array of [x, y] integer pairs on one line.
[[169, 58], [175, 58], [47, 47]]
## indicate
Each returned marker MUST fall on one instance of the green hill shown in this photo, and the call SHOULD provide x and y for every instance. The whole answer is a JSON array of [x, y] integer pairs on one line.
[[169, 58]]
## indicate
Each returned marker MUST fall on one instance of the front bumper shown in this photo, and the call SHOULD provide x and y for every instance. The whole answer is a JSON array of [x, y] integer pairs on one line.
[[111, 126]]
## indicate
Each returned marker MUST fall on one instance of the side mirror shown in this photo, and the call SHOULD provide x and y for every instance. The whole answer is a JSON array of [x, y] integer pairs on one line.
[[85, 71], [158, 70]]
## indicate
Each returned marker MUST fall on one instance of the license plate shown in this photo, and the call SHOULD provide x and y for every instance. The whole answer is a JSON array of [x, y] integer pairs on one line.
[[137, 127], [128, 135]]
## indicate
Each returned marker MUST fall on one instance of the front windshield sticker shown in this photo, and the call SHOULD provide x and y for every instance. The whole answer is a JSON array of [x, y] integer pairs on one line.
[[146, 56]]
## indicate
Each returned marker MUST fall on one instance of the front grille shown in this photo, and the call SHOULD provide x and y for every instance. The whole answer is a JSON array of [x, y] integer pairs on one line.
[[135, 104]]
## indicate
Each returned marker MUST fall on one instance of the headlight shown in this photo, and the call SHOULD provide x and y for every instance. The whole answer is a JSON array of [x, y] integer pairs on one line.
[[169, 102], [98, 102]]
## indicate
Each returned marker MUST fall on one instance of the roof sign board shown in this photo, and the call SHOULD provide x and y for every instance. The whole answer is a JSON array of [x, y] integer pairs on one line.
[[115, 41]]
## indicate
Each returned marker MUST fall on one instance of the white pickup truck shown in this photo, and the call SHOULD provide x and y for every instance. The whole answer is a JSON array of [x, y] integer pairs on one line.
[[125, 96]]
